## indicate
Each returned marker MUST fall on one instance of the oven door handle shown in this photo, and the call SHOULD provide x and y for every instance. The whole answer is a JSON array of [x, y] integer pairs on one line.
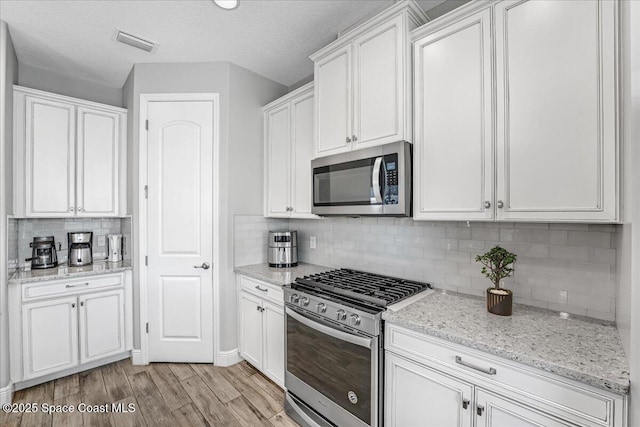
[[343, 336], [375, 179]]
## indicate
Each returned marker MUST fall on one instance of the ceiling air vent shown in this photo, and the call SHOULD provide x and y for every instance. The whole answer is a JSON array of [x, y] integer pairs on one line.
[[135, 41]]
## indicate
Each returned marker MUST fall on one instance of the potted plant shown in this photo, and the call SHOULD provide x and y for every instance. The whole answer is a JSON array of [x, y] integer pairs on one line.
[[497, 265]]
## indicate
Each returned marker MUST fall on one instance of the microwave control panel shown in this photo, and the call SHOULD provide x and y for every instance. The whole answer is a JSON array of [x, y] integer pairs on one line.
[[391, 196]]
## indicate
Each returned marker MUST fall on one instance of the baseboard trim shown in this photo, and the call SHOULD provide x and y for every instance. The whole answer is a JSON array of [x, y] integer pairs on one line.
[[228, 358], [6, 394], [136, 357]]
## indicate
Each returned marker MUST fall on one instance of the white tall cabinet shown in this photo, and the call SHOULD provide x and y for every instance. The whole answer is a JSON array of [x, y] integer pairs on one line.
[[363, 83], [288, 130], [528, 133], [69, 157]]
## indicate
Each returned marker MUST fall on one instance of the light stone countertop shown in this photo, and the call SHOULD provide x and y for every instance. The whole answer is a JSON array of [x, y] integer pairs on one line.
[[580, 348], [280, 276], [66, 272]]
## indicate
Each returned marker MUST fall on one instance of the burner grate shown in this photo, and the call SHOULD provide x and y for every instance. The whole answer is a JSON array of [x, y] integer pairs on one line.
[[373, 288]]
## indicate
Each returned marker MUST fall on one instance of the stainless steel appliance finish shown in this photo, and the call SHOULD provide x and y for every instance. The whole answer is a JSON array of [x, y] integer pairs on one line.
[[283, 249], [43, 253], [114, 247], [334, 345], [372, 181], [80, 248]]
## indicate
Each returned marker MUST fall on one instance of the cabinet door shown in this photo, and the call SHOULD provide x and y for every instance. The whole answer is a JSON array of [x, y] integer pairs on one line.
[[453, 122], [273, 336], [495, 411], [250, 339], [49, 336], [556, 106], [97, 162], [379, 85], [49, 158], [278, 163], [301, 153], [418, 396], [101, 325], [333, 103]]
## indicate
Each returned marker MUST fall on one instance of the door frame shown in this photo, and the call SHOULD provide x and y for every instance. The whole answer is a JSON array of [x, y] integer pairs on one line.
[[145, 100]]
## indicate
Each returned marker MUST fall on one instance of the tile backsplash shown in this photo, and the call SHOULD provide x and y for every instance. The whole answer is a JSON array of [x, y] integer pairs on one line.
[[30, 228], [563, 267]]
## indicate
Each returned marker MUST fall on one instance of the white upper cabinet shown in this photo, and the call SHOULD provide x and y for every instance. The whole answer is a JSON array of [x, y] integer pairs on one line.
[[546, 148], [69, 157], [556, 105], [453, 121], [363, 83], [288, 136]]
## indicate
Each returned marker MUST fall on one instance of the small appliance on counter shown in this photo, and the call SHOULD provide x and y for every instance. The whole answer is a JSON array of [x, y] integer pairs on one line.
[[43, 254], [283, 249], [80, 248], [114, 247]]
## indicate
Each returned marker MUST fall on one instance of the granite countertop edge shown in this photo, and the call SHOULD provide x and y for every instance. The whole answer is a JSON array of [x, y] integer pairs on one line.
[[42, 275], [279, 276], [621, 388]]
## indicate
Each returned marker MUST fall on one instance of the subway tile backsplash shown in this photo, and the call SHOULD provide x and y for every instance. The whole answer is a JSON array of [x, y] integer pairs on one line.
[[564, 267]]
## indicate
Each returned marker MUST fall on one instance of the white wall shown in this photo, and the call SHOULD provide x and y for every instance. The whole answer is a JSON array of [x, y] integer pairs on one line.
[[9, 76], [37, 78]]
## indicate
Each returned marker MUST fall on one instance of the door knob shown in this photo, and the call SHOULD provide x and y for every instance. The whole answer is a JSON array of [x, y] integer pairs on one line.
[[205, 266]]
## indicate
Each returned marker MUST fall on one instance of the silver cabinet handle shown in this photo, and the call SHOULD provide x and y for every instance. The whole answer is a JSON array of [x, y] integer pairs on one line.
[[348, 140], [79, 209], [465, 403], [354, 138], [71, 209], [479, 409], [490, 371], [77, 286], [257, 308], [487, 204], [258, 287], [204, 266], [73, 305], [500, 204]]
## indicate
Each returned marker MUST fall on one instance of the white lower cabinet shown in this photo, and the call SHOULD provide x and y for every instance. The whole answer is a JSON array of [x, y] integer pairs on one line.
[[261, 327], [61, 325], [433, 382]]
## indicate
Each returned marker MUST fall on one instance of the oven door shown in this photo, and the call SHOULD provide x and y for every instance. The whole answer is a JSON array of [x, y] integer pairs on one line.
[[331, 370]]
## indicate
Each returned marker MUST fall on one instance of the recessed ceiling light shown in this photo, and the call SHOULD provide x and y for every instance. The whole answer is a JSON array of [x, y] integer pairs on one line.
[[227, 4]]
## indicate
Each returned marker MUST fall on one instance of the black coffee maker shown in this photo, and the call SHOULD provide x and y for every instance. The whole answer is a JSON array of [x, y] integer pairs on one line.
[[43, 253]]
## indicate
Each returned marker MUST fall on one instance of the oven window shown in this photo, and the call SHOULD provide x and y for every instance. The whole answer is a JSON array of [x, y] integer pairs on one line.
[[344, 184], [331, 366]]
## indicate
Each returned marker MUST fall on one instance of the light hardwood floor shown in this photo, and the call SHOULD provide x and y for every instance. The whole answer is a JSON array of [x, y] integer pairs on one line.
[[164, 394]]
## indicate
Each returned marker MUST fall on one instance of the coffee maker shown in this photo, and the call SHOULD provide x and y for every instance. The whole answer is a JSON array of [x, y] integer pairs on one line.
[[43, 253], [80, 248]]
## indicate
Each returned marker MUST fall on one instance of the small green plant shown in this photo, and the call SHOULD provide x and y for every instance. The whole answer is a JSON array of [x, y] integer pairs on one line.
[[496, 264]]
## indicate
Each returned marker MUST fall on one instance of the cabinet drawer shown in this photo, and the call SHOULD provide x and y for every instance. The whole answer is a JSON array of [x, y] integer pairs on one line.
[[262, 289], [565, 398], [72, 286]]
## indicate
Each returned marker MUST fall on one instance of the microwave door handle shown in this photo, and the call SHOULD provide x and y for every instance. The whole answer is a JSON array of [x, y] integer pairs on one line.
[[375, 179], [343, 336]]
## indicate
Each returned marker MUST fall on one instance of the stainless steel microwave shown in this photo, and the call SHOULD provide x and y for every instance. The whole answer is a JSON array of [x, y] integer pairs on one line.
[[372, 181]]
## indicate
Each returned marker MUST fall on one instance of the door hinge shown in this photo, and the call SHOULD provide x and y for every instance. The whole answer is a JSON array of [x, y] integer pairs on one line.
[[146, 191], [146, 125], [146, 260], [147, 327]]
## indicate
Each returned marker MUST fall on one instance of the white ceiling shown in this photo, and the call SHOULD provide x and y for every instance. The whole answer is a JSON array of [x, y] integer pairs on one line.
[[270, 37]]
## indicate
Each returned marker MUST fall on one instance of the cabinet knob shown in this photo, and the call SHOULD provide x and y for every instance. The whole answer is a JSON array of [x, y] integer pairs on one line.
[[81, 303], [71, 209], [348, 140], [354, 138], [73, 305], [479, 410], [500, 204], [79, 209], [487, 204], [465, 403]]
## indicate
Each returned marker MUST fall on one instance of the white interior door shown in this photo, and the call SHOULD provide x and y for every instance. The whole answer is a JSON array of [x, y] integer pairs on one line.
[[180, 231]]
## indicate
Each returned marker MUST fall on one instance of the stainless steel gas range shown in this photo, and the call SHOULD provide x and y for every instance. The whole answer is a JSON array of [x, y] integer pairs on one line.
[[334, 345]]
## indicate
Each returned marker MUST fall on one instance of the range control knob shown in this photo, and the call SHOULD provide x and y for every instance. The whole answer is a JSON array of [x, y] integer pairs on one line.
[[304, 301], [354, 320], [294, 299], [341, 314], [321, 307]]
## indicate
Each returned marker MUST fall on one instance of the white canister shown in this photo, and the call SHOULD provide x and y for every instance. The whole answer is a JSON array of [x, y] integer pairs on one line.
[[114, 247]]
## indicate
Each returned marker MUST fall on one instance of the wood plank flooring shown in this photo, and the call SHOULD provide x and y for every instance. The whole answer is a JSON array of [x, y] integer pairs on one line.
[[163, 394]]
